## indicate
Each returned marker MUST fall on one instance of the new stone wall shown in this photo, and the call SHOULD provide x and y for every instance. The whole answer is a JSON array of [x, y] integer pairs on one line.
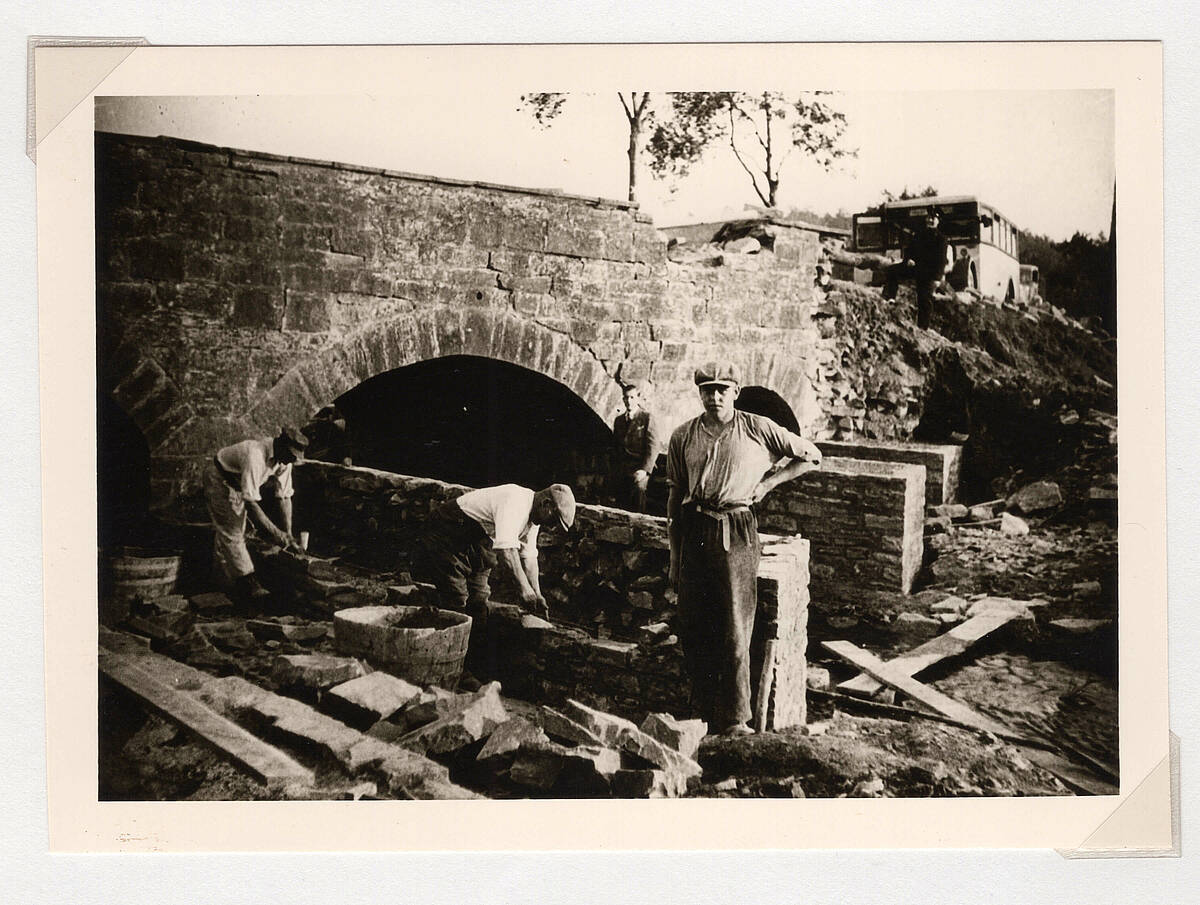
[[942, 461], [865, 521], [239, 290], [610, 644]]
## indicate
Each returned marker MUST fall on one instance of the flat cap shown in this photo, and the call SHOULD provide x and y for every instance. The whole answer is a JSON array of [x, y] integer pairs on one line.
[[722, 372]]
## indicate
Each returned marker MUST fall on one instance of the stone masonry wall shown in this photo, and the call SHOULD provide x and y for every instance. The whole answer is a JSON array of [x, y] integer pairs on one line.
[[942, 462], [237, 291], [614, 566], [865, 521]]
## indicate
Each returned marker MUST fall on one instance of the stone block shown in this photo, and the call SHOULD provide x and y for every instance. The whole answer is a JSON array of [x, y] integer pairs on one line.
[[682, 735], [160, 626], [648, 784], [228, 636], [915, 625], [469, 724], [565, 729], [509, 736], [818, 679], [621, 733], [586, 770], [1013, 525], [265, 629], [375, 696], [1035, 497], [315, 671]]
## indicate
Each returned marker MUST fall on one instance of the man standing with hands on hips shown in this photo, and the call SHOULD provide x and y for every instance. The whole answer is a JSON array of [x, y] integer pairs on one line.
[[717, 467]]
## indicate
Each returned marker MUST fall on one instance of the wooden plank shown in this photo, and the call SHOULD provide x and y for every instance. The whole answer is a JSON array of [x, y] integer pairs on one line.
[[950, 644], [1037, 751], [923, 694], [248, 752]]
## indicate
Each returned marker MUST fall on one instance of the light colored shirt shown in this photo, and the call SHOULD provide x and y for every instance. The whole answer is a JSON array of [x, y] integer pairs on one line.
[[254, 462], [504, 512], [722, 466]]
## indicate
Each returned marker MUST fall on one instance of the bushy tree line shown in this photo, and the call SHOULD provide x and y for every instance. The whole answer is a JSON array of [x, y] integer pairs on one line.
[[1077, 275]]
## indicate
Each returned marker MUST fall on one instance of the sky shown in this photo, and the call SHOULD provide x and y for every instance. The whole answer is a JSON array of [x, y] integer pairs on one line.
[[1043, 158]]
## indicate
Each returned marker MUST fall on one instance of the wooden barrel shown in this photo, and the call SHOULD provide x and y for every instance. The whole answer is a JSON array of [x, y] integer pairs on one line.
[[424, 645], [139, 574]]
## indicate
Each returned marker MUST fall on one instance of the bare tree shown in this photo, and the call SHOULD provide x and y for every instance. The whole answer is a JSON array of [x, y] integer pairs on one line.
[[546, 107], [761, 129]]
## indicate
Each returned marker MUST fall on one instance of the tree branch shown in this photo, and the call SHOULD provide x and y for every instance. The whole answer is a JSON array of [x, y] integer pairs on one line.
[[737, 154]]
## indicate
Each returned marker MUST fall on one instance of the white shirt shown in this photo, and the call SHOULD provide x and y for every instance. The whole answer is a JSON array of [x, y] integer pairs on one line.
[[254, 461], [504, 512]]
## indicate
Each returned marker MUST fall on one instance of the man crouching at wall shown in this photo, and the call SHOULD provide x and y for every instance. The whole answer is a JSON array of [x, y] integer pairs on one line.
[[465, 538], [717, 467], [233, 488]]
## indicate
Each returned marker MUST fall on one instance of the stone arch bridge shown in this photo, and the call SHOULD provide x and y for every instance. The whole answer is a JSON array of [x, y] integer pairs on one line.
[[237, 291]]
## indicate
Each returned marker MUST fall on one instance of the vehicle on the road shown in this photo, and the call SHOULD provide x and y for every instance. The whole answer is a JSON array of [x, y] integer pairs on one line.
[[984, 244]]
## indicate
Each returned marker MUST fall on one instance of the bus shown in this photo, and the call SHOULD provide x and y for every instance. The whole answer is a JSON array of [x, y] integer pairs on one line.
[[983, 251]]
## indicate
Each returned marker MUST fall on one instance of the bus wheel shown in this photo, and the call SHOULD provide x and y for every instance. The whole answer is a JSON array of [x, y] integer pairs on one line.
[[1010, 294], [973, 279]]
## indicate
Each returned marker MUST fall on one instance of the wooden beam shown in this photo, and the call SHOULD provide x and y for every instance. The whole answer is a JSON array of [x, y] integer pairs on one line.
[[248, 752], [930, 697], [950, 644]]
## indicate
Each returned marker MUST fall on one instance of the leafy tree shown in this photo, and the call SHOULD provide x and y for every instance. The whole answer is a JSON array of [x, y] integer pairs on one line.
[[761, 129], [1077, 275], [546, 106]]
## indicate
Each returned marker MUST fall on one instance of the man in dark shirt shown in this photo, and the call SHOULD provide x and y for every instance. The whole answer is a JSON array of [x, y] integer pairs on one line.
[[635, 447], [924, 263]]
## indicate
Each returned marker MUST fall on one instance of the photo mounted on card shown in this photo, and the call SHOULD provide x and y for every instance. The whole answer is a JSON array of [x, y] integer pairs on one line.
[[527, 453]]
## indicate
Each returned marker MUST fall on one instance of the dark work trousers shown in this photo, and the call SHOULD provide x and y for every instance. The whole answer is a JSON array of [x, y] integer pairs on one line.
[[626, 492], [924, 286], [457, 558], [718, 596]]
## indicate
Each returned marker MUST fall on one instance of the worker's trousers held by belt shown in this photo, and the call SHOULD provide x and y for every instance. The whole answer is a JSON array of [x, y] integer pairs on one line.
[[721, 514]]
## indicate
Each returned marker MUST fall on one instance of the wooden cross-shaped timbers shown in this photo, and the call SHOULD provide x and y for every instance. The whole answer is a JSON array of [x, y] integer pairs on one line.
[[896, 677]]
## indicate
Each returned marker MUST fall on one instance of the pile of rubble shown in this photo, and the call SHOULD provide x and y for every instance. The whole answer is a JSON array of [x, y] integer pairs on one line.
[[285, 680]]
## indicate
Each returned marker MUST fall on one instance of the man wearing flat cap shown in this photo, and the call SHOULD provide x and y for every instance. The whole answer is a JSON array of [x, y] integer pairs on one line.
[[466, 537], [635, 447], [719, 465], [233, 487]]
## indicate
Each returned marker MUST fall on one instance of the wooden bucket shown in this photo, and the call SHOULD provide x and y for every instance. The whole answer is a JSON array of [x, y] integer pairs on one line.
[[140, 574], [424, 645]]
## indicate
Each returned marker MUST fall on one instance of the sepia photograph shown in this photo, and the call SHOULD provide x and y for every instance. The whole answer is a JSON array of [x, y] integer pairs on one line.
[[519, 444]]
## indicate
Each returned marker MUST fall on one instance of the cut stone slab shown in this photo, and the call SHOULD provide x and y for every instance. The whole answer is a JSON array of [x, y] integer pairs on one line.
[[981, 513], [1035, 497], [566, 729], [622, 733], [508, 737], [164, 627], [212, 602], [318, 671], [375, 696], [1013, 525], [434, 704], [682, 735], [265, 763], [648, 784], [266, 629], [529, 621], [584, 770], [653, 633], [228, 636], [470, 724], [411, 595], [949, 605], [915, 625], [818, 678], [196, 649]]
